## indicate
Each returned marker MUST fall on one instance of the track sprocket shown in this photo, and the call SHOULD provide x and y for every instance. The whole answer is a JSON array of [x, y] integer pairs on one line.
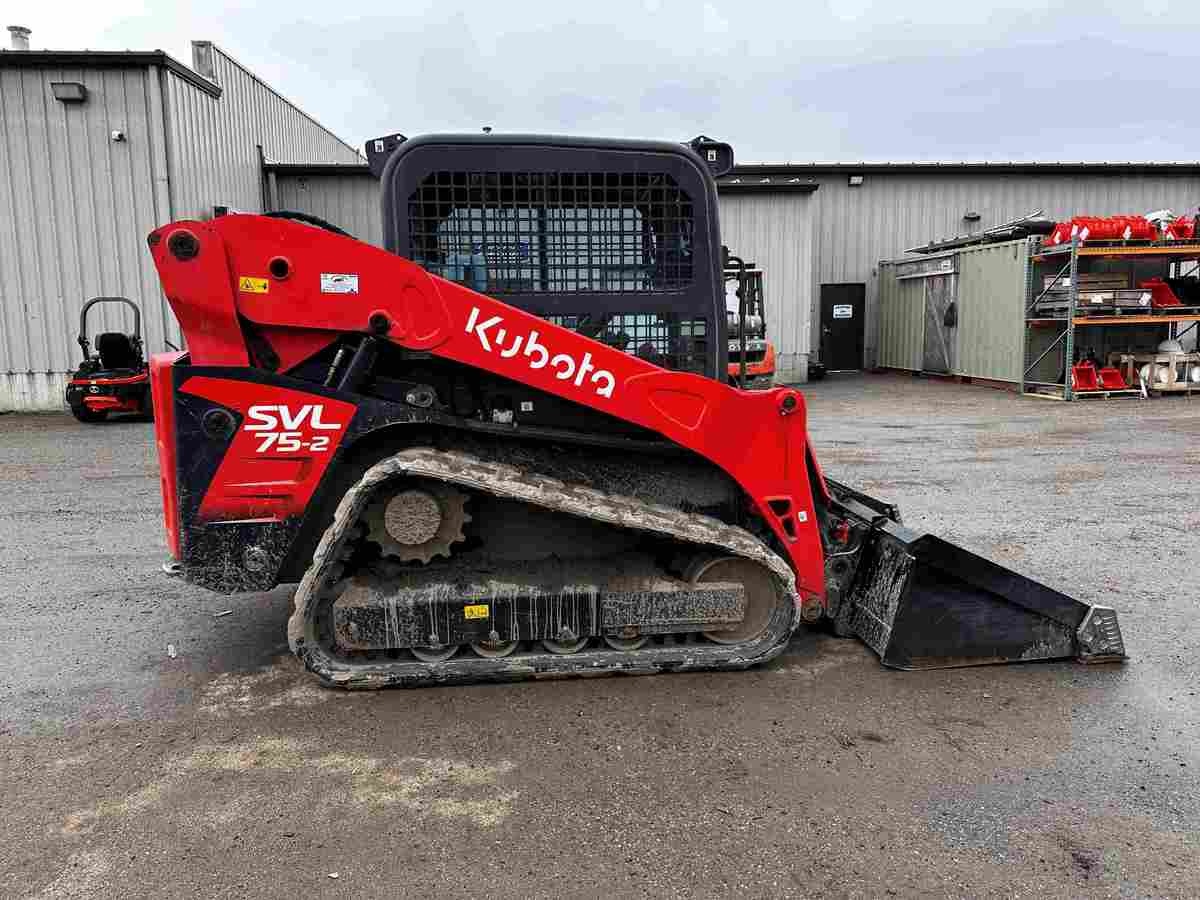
[[420, 520]]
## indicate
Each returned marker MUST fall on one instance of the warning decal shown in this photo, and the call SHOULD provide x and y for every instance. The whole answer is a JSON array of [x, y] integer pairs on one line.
[[476, 611], [843, 311], [253, 285]]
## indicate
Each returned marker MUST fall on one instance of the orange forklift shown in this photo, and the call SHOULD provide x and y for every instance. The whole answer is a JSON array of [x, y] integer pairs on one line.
[[751, 355]]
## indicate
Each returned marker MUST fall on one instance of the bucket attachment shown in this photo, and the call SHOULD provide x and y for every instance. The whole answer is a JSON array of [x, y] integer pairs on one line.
[[923, 603], [1111, 379], [1083, 377]]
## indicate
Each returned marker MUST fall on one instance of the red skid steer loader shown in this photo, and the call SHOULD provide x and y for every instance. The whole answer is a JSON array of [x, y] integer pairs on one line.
[[504, 447]]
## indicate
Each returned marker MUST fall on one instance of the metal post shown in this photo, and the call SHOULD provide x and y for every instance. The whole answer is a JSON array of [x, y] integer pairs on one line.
[[1029, 268], [1072, 303]]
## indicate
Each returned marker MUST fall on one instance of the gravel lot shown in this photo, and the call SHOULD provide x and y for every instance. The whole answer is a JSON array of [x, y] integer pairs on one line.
[[225, 771]]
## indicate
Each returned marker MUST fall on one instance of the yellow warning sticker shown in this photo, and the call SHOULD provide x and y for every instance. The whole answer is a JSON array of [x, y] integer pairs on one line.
[[253, 285], [477, 611]]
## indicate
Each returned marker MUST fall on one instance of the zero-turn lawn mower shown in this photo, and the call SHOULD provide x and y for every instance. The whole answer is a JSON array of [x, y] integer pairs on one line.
[[115, 379]]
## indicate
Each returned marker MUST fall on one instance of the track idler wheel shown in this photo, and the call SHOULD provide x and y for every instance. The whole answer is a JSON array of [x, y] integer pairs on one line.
[[762, 594], [419, 521]]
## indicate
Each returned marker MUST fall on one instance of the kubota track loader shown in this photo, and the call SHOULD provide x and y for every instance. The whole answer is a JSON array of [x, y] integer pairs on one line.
[[505, 446]]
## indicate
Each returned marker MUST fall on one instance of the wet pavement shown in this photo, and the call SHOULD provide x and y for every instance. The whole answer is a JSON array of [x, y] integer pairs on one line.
[[224, 771]]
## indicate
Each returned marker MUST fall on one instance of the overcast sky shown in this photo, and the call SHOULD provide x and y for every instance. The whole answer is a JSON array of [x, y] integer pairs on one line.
[[847, 80]]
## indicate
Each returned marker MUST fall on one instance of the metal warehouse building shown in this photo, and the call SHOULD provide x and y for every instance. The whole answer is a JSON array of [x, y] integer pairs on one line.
[[96, 150], [866, 213], [819, 231]]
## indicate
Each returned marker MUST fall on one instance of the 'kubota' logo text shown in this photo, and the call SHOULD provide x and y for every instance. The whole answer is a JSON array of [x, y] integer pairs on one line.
[[283, 428], [491, 333]]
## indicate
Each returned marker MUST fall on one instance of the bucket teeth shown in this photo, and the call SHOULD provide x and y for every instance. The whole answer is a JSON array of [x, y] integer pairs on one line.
[[1099, 636]]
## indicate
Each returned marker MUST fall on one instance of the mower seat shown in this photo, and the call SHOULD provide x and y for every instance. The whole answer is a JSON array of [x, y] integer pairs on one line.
[[116, 351]]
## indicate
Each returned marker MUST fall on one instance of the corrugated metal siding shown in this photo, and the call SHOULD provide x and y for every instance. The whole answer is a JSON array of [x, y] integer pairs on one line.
[[350, 201], [76, 209], [901, 320], [75, 206], [775, 232], [991, 303], [213, 139], [856, 227]]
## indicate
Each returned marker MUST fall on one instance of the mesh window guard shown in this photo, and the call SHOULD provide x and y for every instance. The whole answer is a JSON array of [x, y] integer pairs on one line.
[[554, 232]]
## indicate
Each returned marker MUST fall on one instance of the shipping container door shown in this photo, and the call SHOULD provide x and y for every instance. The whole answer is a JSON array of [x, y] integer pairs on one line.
[[941, 319]]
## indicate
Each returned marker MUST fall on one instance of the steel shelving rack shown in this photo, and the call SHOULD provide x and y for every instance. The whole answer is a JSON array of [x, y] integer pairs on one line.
[[1074, 257]]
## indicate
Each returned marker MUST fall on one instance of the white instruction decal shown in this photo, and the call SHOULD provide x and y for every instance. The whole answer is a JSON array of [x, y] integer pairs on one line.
[[843, 311], [336, 283]]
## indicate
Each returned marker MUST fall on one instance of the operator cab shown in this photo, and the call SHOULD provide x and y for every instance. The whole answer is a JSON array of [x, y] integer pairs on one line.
[[617, 240]]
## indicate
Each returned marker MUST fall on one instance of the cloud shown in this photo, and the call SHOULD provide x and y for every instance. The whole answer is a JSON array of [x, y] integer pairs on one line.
[[842, 79]]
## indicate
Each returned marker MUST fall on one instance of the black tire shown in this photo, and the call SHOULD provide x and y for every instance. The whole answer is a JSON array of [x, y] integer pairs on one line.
[[83, 414]]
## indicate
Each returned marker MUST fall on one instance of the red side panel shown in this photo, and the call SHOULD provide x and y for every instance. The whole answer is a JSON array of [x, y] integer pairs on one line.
[[339, 285], [277, 456], [164, 436]]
